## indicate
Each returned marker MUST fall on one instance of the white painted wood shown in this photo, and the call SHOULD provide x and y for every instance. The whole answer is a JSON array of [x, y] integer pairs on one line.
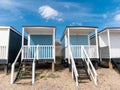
[[13, 66], [4, 34], [3, 52], [28, 39], [109, 41], [22, 43], [88, 40], [7, 47], [4, 41], [68, 41], [91, 51], [108, 34], [96, 37], [30, 54], [39, 30], [23, 36], [103, 39], [90, 68], [54, 45], [33, 72], [115, 44], [74, 69]]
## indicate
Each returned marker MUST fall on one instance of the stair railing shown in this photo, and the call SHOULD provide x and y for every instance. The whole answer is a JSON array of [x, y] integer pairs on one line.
[[33, 65], [90, 68], [13, 66], [74, 69]]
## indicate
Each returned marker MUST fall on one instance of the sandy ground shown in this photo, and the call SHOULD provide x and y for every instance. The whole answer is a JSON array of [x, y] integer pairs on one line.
[[62, 80]]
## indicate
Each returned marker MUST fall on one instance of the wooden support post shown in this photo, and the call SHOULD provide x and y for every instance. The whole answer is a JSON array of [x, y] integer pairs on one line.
[[110, 64], [70, 67], [6, 68], [53, 67], [24, 66]]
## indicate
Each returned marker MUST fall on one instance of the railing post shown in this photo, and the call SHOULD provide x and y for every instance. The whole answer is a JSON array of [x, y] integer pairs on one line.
[[6, 50], [72, 72], [12, 74], [37, 52], [96, 43], [13, 67], [76, 80], [33, 72], [81, 52]]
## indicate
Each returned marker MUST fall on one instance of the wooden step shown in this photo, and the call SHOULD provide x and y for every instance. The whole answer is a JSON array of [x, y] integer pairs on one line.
[[26, 71], [26, 67], [25, 77]]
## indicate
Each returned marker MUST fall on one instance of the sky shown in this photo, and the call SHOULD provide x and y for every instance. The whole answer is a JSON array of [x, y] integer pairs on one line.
[[60, 13]]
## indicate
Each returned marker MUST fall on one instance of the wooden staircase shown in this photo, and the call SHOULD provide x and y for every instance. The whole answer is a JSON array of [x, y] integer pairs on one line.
[[24, 70], [83, 76], [87, 69]]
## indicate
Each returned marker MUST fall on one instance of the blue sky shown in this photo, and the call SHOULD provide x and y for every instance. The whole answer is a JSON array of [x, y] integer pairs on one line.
[[60, 13]]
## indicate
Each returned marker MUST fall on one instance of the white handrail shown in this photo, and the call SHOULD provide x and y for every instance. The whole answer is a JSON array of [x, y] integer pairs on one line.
[[13, 66], [91, 69], [74, 69], [33, 66]]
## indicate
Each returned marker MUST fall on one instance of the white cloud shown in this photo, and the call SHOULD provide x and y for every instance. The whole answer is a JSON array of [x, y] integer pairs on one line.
[[66, 6], [75, 23], [104, 16], [48, 12], [117, 17], [10, 11], [60, 20]]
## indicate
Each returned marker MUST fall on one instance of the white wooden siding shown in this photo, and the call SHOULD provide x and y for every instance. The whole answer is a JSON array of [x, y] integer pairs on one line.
[[104, 52], [115, 44], [4, 37], [103, 40], [4, 41]]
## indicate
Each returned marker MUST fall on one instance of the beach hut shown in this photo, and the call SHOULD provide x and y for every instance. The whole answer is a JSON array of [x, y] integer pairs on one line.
[[10, 44], [76, 46], [80, 36], [40, 47], [109, 44]]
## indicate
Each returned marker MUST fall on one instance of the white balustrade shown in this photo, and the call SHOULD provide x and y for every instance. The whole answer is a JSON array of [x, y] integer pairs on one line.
[[90, 49], [3, 52], [43, 51]]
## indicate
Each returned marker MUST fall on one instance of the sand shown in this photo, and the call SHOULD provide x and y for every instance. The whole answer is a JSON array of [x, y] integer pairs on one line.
[[62, 80]]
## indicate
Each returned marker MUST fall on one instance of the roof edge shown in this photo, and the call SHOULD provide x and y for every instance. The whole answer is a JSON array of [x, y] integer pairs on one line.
[[108, 28], [76, 26], [40, 26], [82, 26]]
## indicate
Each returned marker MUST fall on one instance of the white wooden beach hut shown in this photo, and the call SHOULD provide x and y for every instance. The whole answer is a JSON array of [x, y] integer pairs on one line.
[[109, 44], [40, 47], [76, 47], [10, 44]]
